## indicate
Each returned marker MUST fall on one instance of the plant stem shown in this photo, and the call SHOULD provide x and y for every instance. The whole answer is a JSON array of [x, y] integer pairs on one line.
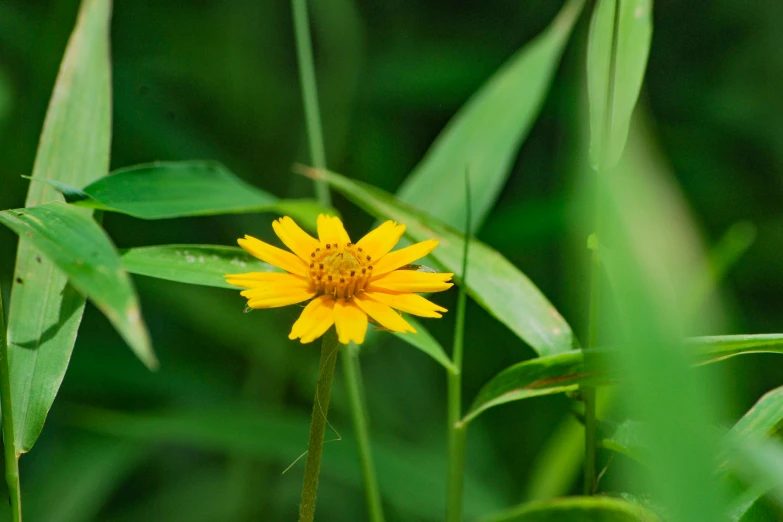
[[456, 429], [9, 443], [304, 52], [323, 393], [355, 389]]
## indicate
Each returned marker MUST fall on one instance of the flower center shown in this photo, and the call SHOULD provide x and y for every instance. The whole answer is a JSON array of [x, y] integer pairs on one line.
[[339, 270]]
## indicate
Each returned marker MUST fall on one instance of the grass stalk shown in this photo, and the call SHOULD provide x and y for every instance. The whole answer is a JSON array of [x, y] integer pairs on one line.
[[457, 431], [588, 393], [9, 442], [304, 52], [323, 394], [355, 391]]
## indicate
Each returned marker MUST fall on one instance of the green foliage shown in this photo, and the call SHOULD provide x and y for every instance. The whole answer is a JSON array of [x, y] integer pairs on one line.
[[576, 509]]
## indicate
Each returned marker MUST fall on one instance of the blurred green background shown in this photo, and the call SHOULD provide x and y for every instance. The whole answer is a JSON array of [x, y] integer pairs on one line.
[[207, 436]]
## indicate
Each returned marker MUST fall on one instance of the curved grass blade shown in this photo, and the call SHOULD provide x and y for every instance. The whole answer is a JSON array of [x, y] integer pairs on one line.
[[84, 253], [495, 284], [564, 372], [763, 419], [45, 311], [484, 136], [575, 509], [166, 190], [192, 264]]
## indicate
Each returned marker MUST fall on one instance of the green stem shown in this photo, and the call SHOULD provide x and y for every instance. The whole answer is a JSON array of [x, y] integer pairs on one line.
[[456, 429], [355, 389], [304, 51], [323, 393], [9, 443]]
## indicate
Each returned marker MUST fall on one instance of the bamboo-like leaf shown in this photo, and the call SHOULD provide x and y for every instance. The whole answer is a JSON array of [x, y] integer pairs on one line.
[[193, 264], [179, 189], [564, 372], [484, 136], [497, 285], [632, 26], [424, 341], [80, 248], [45, 311], [575, 509], [764, 419]]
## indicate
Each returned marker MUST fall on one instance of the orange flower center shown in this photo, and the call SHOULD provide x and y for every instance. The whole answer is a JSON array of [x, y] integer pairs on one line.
[[339, 270]]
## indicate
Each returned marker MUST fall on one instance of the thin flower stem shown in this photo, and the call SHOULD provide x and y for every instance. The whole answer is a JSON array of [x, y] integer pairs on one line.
[[589, 393], [355, 389], [457, 430], [9, 443], [323, 393], [304, 52]]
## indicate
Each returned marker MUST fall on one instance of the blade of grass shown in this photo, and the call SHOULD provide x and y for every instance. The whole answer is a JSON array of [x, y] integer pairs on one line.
[[74, 148], [9, 446], [575, 509]]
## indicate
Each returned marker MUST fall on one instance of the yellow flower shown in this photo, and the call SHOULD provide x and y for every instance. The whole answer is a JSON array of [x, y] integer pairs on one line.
[[346, 281]]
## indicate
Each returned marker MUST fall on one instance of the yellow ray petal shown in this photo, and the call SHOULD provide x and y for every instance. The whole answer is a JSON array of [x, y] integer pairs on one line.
[[273, 255], [297, 240], [315, 320], [279, 288], [331, 230], [383, 314], [411, 303], [404, 256], [412, 281], [275, 299], [380, 241], [350, 322], [255, 279]]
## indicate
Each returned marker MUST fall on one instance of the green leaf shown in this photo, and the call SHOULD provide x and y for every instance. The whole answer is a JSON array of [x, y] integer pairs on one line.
[[575, 509], [80, 248], [564, 372], [634, 34], [193, 264], [484, 136], [764, 419], [179, 189], [497, 285], [424, 341], [45, 311]]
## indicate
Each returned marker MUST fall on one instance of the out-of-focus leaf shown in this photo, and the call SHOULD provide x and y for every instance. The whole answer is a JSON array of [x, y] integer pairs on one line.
[[45, 311], [424, 341], [634, 33], [483, 137], [626, 437], [186, 188], [575, 509], [497, 285], [410, 480], [193, 264], [765, 418], [564, 372], [82, 250]]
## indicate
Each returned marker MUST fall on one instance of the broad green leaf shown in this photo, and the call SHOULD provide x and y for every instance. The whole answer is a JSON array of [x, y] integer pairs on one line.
[[497, 285], [559, 373], [484, 136], [634, 34], [764, 419], [409, 478], [424, 341], [45, 311], [179, 189], [193, 264], [575, 509], [80, 248]]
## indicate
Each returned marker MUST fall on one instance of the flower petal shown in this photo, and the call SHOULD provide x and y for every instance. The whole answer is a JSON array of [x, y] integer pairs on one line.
[[275, 299], [331, 230], [317, 317], [383, 314], [412, 281], [350, 322], [273, 255], [380, 241], [278, 287], [411, 303], [256, 279], [404, 256], [297, 240]]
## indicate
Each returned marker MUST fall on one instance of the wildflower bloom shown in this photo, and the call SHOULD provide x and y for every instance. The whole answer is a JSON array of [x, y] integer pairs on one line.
[[346, 281]]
